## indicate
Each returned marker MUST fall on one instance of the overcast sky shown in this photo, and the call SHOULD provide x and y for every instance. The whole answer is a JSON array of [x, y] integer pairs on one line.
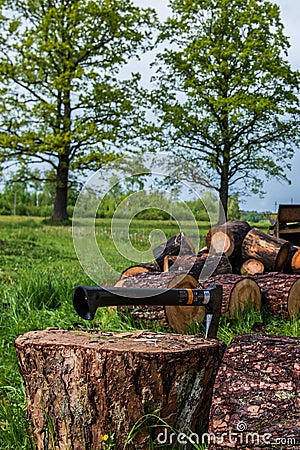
[[276, 192]]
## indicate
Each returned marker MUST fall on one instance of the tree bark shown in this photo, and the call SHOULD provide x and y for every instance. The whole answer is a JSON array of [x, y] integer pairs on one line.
[[238, 293], [271, 251], [256, 395], [228, 238], [281, 293], [83, 386], [200, 267], [176, 245], [178, 317]]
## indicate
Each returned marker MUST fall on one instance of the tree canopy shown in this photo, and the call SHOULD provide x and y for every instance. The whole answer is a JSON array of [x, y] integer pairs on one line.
[[226, 98], [63, 104]]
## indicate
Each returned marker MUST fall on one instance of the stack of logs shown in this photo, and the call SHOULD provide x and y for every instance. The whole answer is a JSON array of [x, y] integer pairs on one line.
[[249, 264]]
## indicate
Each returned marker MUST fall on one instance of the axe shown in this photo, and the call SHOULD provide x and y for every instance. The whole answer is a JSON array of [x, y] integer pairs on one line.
[[87, 299]]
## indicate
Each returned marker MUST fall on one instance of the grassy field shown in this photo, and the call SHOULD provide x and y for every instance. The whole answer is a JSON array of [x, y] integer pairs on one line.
[[38, 271]]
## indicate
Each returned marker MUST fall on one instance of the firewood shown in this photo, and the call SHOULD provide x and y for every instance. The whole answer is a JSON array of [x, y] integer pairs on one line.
[[179, 244], [178, 317], [295, 264], [228, 238], [281, 293], [81, 386], [140, 268], [252, 267], [199, 266], [271, 251], [238, 292], [256, 395], [287, 268]]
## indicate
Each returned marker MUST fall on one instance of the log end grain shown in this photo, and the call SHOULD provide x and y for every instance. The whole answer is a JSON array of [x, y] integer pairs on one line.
[[245, 293], [252, 267], [295, 263]]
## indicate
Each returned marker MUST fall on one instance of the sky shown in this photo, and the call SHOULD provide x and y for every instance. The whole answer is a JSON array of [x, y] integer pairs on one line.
[[276, 192]]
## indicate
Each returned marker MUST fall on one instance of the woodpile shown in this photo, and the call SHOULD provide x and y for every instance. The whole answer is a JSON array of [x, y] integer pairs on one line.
[[81, 387], [256, 395], [249, 264]]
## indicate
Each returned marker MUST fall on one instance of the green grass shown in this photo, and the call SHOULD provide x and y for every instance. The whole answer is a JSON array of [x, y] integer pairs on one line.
[[38, 271]]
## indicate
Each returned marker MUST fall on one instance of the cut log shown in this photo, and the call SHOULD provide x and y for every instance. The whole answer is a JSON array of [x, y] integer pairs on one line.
[[252, 267], [228, 238], [238, 293], [179, 244], [271, 251], [141, 268], [199, 266], [295, 263], [281, 293], [82, 386], [287, 268], [178, 317], [256, 395]]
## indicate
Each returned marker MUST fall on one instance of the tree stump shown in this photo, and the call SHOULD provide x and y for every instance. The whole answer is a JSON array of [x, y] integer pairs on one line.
[[228, 238], [82, 386], [179, 244], [178, 317], [238, 293], [256, 395], [281, 293], [271, 251]]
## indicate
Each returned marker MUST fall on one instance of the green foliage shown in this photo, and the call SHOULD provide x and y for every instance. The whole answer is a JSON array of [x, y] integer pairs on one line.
[[64, 103], [227, 100]]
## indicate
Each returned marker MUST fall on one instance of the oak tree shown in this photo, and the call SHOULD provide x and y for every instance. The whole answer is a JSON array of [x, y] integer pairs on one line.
[[64, 105], [226, 97]]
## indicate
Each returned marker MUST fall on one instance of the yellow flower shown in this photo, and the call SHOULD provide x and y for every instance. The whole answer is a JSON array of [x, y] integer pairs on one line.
[[105, 437]]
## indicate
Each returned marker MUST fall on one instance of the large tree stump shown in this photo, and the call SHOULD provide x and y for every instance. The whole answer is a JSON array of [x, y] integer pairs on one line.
[[256, 395], [281, 293], [238, 293], [178, 317], [228, 238], [271, 251], [179, 244], [82, 386]]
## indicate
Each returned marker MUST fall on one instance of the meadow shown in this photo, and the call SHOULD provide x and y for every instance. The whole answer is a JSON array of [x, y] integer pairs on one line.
[[38, 271]]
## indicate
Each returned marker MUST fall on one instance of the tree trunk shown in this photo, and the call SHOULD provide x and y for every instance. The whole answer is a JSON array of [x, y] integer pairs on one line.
[[271, 251], [82, 387], [281, 292], [228, 238], [256, 395], [238, 293], [287, 268], [176, 245], [178, 317], [252, 267], [61, 192]]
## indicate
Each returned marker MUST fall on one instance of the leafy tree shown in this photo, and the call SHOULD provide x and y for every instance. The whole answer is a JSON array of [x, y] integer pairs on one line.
[[63, 102], [226, 98]]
